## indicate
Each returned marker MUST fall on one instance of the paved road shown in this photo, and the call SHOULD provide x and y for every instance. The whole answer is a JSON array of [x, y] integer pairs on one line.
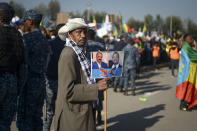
[[159, 113]]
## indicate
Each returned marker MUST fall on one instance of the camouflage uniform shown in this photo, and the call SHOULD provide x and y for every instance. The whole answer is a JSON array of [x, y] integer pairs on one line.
[[8, 99], [52, 80], [11, 57], [131, 61], [32, 97], [31, 103], [51, 94]]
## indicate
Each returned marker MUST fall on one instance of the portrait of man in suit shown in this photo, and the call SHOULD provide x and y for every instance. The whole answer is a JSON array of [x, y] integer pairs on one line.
[[114, 64], [99, 63]]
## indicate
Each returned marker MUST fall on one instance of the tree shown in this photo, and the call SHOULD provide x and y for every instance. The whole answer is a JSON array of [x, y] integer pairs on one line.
[[149, 21], [74, 14], [192, 28], [85, 15], [176, 24], [136, 24], [100, 16], [53, 9], [42, 8], [159, 24], [18, 8]]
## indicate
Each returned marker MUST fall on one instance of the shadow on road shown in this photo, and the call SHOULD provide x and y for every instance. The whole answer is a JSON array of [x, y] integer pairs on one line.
[[147, 86], [136, 121], [149, 74], [145, 83], [152, 88]]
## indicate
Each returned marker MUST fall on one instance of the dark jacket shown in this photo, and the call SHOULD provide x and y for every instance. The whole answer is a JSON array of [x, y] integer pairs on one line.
[[95, 65], [57, 46], [11, 49], [38, 50], [115, 71], [111, 64], [131, 58], [120, 45], [95, 46]]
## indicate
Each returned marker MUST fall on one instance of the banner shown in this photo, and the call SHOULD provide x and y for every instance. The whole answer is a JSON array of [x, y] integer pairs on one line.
[[107, 64], [62, 18]]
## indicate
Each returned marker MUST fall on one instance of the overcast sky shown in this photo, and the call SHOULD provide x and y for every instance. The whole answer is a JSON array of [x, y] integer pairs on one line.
[[128, 8]]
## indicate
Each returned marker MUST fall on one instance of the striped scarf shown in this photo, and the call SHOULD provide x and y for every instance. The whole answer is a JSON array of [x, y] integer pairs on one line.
[[84, 62]]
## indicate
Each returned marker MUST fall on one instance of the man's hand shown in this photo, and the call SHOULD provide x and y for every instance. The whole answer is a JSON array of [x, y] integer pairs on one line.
[[103, 84]]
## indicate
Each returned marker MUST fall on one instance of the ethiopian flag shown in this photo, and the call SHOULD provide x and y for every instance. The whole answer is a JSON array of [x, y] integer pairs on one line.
[[115, 31], [94, 21], [144, 28], [187, 77], [125, 28]]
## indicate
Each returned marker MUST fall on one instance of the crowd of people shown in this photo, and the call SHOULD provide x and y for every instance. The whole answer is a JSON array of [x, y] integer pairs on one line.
[[40, 65]]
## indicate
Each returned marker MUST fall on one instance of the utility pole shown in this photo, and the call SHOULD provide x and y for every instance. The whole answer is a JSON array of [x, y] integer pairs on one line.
[[88, 10], [171, 26]]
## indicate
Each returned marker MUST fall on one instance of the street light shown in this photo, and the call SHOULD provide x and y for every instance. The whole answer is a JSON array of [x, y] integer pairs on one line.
[[89, 4]]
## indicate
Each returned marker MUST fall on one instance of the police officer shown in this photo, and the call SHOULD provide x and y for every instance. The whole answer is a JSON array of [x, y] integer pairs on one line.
[[11, 58], [122, 43], [56, 45], [131, 62], [37, 53]]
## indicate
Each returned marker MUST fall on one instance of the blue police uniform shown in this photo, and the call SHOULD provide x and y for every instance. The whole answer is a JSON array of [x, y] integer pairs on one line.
[[131, 61], [11, 58], [30, 105], [32, 98], [8, 99], [52, 80]]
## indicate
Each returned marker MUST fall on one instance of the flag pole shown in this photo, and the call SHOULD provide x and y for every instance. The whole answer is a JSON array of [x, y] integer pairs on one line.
[[105, 105], [105, 110]]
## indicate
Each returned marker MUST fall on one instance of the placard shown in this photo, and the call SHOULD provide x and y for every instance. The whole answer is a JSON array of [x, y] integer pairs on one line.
[[105, 64]]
